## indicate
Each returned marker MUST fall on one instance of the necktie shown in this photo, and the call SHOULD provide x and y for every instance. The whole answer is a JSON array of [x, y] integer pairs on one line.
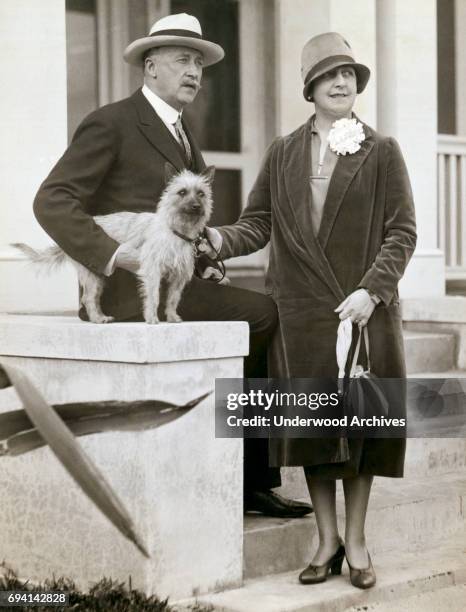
[[183, 139]]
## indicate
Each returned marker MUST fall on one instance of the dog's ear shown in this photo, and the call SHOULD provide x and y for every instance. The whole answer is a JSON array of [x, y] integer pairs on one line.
[[209, 174], [170, 172]]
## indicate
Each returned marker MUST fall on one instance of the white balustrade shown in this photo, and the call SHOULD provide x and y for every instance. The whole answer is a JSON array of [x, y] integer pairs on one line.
[[451, 153]]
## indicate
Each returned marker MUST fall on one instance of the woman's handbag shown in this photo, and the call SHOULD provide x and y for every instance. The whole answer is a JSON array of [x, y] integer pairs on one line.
[[363, 395]]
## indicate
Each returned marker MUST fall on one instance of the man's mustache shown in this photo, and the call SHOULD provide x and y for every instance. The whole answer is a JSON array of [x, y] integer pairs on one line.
[[192, 84]]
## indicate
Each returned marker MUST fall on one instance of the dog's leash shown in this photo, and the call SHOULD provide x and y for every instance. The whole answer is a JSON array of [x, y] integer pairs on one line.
[[195, 242]]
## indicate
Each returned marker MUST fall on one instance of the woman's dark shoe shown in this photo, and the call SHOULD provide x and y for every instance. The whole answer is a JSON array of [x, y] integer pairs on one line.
[[318, 573], [362, 578]]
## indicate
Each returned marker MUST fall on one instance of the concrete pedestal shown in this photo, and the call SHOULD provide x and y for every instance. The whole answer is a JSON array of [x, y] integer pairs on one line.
[[181, 485]]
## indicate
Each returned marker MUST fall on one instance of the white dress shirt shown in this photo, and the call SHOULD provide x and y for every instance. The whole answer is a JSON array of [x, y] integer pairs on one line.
[[169, 116], [167, 113]]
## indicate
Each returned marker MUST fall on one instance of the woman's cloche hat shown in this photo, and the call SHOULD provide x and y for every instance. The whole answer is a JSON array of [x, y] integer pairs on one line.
[[181, 30], [326, 52]]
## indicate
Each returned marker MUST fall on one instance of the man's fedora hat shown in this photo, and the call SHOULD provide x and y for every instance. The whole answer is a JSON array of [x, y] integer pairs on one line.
[[179, 30], [326, 52]]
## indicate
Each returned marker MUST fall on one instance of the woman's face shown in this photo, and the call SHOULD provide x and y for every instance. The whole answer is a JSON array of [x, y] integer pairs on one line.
[[334, 92]]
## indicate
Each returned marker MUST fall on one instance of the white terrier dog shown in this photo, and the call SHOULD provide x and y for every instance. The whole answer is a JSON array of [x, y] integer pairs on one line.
[[165, 240]]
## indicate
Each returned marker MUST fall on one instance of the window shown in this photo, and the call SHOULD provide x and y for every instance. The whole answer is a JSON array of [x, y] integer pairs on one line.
[[215, 114]]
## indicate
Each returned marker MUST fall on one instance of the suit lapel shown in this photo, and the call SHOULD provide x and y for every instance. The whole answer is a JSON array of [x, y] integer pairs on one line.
[[156, 132], [343, 174]]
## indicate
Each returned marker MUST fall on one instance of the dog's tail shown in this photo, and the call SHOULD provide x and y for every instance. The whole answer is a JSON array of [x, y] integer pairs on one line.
[[52, 257]]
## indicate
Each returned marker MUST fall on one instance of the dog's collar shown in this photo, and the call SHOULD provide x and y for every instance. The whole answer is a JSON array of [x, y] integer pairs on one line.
[[185, 238], [216, 263]]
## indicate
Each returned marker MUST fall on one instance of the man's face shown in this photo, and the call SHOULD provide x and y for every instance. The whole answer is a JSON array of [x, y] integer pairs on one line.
[[335, 91], [177, 73]]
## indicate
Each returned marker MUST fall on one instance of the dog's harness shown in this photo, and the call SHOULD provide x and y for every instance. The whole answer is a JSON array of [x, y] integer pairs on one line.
[[217, 263]]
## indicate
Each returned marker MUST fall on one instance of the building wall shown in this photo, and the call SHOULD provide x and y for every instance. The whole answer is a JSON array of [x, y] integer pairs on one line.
[[295, 24], [33, 124], [396, 39]]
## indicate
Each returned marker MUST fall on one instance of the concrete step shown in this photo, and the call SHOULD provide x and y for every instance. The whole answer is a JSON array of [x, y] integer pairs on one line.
[[437, 405], [456, 287], [451, 598], [446, 315], [433, 457], [429, 352], [402, 575], [447, 309], [415, 511]]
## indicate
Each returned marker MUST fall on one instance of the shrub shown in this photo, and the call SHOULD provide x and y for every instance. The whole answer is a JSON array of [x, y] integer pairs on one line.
[[105, 595]]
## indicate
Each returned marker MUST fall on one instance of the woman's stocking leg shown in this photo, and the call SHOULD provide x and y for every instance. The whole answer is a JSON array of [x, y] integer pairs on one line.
[[323, 493], [357, 491]]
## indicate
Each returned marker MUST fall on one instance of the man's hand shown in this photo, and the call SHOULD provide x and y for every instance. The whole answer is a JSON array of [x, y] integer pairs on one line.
[[127, 258], [358, 306], [215, 239], [215, 274]]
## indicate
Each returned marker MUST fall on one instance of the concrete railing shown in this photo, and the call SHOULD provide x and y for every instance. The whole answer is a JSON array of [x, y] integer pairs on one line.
[[181, 485], [451, 153]]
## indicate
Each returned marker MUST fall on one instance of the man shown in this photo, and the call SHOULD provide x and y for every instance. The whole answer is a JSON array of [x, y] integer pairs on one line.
[[116, 162]]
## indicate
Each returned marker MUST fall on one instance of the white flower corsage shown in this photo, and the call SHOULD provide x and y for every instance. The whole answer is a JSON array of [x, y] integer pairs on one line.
[[346, 136]]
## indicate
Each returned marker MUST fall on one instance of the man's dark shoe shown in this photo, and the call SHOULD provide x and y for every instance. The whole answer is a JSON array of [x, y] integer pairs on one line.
[[272, 504]]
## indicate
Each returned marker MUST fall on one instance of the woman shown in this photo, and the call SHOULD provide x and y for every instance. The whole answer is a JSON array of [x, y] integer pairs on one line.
[[335, 202]]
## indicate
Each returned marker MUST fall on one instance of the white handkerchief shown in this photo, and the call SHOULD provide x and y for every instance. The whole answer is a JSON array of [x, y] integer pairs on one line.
[[344, 337]]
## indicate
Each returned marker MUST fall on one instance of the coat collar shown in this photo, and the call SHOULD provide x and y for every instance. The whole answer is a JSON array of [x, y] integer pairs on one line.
[[297, 170], [159, 136]]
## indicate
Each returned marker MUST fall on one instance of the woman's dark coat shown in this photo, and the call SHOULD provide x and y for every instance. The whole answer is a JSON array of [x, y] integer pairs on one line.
[[366, 239]]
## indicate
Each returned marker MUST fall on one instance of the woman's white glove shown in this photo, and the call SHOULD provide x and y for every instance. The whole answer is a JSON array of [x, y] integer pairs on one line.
[[358, 306]]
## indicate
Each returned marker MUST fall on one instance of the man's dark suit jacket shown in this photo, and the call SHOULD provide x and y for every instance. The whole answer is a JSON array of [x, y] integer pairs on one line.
[[115, 162]]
